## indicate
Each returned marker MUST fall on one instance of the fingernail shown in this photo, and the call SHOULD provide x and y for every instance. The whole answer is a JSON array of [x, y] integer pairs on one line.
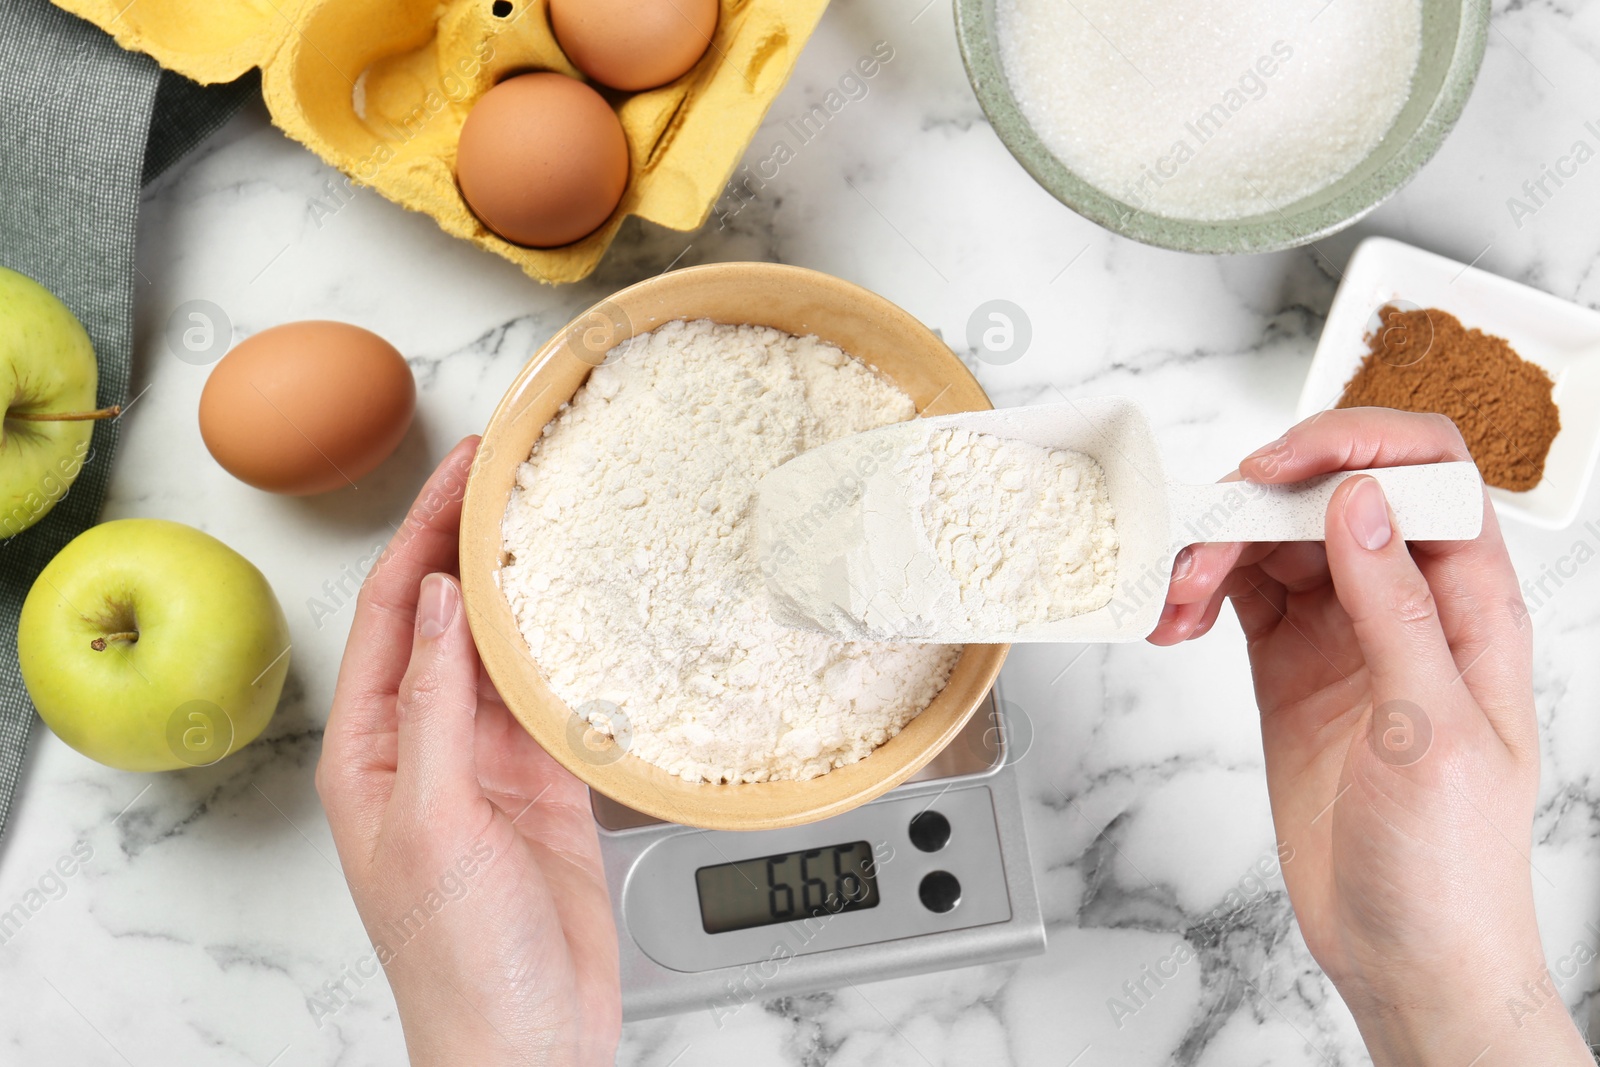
[[1366, 512], [436, 605], [1183, 564], [1280, 445]]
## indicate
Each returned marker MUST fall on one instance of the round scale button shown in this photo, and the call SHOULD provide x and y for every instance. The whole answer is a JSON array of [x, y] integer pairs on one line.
[[940, 891], [930, 831]]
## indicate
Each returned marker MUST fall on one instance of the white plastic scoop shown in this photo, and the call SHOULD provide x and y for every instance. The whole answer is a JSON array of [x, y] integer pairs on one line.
[[844, 552]]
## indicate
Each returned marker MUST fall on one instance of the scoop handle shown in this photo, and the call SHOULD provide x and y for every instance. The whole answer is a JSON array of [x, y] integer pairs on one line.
[[1431, 502]]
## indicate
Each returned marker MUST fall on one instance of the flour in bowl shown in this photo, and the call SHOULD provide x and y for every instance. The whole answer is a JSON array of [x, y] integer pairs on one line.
[[1024, 534], [633, 570]]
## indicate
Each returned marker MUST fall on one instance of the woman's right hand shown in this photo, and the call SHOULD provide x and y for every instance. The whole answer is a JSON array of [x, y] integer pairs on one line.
[[1402, 750]]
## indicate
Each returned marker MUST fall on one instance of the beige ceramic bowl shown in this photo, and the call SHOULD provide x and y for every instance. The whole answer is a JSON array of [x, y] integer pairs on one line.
[[788, 298]]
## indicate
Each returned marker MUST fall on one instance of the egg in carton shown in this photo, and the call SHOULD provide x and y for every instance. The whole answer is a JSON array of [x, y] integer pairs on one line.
[[381, 88]]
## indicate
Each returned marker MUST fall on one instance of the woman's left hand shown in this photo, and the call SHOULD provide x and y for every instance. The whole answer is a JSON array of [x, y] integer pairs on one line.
[[471, 853]]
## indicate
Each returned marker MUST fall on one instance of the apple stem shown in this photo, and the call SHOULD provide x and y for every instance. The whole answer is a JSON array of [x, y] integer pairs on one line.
[[66, 416], [99, 643]]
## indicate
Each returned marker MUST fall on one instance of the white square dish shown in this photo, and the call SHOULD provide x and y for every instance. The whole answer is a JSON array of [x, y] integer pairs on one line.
[[1559, 336]]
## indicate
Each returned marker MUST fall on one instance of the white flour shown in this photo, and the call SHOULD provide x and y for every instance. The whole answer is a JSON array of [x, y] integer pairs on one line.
[[633, 573], [1027, 534], [918, 531]]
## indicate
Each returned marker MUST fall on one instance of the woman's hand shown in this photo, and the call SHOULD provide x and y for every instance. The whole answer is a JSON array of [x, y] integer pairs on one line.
[[1402, 750], [471, 854]]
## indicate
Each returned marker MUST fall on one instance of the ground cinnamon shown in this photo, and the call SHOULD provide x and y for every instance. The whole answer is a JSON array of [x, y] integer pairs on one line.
[[1423, 359]]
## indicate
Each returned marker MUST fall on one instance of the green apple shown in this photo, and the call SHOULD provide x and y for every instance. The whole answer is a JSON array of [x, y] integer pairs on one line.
[[148, 645], [47, 388]]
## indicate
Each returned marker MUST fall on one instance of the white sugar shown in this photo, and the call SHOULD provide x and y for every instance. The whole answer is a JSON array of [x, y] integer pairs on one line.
[[1210, 109]]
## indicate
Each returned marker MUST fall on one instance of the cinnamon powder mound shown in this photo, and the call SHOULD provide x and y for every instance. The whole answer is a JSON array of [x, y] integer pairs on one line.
[[1424, 360]]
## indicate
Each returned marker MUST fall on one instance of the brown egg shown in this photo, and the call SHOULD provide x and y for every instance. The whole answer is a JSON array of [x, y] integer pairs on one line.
[[543, 160], [307, 406], [633, 44]]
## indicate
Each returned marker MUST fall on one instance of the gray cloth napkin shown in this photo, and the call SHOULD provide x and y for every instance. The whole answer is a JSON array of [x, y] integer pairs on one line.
[[83, 124]]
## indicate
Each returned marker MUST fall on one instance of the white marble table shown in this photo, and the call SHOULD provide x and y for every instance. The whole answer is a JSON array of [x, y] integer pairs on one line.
[[212, 910]]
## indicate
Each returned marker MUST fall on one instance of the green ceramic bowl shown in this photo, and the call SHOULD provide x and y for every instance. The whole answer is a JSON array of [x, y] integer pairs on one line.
[[1453, 37]]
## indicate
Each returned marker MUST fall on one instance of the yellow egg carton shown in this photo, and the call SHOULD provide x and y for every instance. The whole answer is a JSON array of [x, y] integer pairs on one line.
[[380, 89]]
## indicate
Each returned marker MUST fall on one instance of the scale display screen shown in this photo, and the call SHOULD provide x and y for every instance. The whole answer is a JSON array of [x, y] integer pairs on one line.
[[787, 887]]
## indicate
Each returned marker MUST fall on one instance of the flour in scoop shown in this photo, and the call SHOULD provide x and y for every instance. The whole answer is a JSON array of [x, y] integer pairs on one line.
[[633, 570], [1026, 534], [1210, 109]]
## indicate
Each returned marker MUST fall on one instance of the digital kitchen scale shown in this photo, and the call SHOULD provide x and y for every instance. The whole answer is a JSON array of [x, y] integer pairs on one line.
[[932, 875]]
